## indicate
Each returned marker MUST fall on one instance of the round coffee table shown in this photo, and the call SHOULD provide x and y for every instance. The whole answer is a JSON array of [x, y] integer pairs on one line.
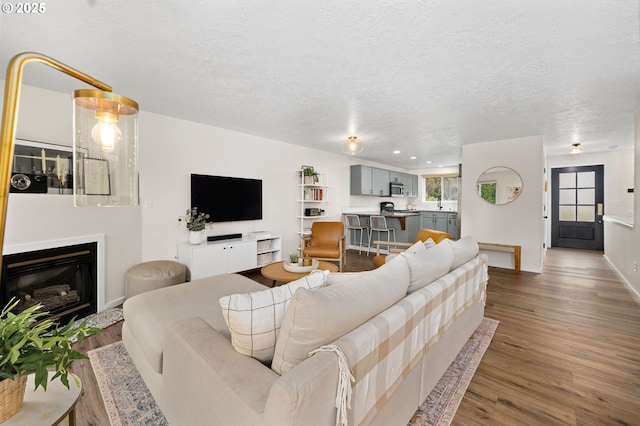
[[276, 272]]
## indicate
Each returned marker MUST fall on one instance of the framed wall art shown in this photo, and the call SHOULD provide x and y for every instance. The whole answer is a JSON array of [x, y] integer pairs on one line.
[[96, 176], [40, 167]]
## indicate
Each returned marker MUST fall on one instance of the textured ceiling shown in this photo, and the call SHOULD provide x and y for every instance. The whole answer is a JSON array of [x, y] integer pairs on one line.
[[422, 77]]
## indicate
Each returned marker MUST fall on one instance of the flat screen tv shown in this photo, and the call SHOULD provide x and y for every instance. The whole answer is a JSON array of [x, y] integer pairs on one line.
[[227, 199]]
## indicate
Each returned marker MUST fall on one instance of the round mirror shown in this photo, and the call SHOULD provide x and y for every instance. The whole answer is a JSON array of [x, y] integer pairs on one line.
[[499, 185]]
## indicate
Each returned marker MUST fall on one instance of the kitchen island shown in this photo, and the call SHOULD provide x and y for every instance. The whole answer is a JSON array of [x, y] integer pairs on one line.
[[405, 224]]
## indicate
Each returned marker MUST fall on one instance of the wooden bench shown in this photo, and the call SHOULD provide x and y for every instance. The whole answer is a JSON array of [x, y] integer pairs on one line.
[[508, 248]]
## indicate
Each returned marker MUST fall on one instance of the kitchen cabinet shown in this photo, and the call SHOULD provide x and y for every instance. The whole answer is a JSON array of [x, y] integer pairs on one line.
[[380, 182], [452, 225], [367, 180], [441, 221], [361, 179], [396, 177], [410, 183]]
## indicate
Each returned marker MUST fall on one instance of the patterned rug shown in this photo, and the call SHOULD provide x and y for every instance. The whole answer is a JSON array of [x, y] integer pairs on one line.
[[443, 401], [125, 396], [129, 402], [105, 318], [102, 319]]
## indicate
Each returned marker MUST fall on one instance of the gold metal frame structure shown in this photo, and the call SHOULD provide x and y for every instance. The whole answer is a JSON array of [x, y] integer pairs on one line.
[[10, 118]]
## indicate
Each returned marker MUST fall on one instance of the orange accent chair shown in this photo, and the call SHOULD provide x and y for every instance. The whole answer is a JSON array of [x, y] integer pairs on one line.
[[326, 242], [423, 235]]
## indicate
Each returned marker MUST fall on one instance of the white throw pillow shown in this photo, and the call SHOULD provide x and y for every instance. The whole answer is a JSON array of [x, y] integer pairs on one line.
[[465, 249], [254, 319], [317, 318], [427, 265], [428, 244]]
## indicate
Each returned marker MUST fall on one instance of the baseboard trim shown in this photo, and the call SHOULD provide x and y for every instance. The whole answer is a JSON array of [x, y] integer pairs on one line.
[[115, 303], [635, 293]]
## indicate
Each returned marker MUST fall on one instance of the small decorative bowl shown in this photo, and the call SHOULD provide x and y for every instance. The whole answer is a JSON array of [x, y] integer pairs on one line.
[[299, 269]]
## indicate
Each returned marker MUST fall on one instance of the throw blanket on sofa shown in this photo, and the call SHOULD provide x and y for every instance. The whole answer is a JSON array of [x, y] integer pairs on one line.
[[393, 342]]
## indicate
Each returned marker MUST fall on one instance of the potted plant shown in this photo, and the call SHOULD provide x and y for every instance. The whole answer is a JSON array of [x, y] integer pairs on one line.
[[32, 344], [294, 259], [310, 175], [196, 223]]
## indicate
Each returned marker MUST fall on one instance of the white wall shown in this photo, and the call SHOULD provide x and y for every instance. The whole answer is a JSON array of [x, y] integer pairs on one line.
[[618, 177], [178, 148], [46, 116], [520, 222], [170, 150], [622, 244]]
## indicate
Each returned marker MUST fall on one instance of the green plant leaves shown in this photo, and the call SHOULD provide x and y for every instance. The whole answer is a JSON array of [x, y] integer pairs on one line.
[[31, 344]]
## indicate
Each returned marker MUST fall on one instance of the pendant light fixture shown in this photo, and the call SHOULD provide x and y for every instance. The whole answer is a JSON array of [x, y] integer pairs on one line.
[[105, 149], [106, 173], [352, 146], [575, 148]]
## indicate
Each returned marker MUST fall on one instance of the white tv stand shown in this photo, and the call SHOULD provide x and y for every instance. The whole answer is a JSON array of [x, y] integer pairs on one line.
[[229, 256]]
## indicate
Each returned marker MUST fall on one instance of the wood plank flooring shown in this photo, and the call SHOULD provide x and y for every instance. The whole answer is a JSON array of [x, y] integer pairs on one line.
[[566, 352]]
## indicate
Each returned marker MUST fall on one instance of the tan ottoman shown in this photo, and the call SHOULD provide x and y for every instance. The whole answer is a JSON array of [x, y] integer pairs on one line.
[[152, 275]]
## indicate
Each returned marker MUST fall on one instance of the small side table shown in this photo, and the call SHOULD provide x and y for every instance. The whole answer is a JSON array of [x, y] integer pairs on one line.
[[276, 272], [47, 408]]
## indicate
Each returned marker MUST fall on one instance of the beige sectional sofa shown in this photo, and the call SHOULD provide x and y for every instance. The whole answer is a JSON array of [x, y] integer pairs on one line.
[[385, 337]]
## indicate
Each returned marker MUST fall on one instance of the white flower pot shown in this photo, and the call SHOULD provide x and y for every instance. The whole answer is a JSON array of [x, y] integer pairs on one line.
[[195, 237]]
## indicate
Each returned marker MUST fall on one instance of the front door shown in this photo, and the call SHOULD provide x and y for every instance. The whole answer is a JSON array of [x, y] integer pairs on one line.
[[577, 206]]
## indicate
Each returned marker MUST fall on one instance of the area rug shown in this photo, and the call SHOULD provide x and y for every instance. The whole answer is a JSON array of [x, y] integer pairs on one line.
[[105, 318], [440, 406], [126, 398], [129, 402]]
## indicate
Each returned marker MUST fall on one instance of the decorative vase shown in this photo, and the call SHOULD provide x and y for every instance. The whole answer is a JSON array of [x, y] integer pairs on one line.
[[195, 237], [11, 396]]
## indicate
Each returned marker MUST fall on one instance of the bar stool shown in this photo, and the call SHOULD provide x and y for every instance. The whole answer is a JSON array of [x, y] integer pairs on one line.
[[353, 224], [379, 224]]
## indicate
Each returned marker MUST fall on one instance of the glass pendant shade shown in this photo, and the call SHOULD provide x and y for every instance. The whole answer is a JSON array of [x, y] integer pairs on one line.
[[352, 146], [575, 148], [105, 149]]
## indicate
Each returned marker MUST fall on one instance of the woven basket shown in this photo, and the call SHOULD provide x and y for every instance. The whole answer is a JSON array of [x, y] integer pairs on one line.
[[11, 396]]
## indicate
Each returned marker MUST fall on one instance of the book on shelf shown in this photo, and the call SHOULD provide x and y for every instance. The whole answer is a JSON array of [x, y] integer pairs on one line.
[[313, 194]]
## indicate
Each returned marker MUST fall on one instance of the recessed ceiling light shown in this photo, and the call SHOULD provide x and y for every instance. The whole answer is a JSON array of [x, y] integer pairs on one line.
[[396, 152], [440, 165], [429, 162], [414, 157]]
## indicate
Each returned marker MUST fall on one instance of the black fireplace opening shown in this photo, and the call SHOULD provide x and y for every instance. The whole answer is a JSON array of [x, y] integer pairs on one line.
[[62, 279]]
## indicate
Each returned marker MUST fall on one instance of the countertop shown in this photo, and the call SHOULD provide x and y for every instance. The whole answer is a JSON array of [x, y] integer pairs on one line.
[[388, 214], [398, 213]]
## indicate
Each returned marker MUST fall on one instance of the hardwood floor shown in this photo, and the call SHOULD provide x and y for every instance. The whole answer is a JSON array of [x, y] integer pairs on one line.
[[566, 352]]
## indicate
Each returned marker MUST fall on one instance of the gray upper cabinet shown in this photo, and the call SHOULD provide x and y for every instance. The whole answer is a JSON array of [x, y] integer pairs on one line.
[[395, 177], [367, 180], [380, 182], [410, 185], [361, 179]]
